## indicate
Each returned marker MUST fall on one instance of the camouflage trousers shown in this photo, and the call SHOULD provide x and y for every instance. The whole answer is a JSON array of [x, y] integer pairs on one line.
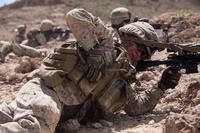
[[38, 109], [142, 102]]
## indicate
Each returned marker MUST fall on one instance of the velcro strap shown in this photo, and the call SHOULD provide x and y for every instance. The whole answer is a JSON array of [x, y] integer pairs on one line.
[[61, 57], [69, 43], [55, 63], [65, 50]]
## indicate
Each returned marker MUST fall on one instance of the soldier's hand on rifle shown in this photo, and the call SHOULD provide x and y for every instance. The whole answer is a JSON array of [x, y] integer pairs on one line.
[[170, 78]]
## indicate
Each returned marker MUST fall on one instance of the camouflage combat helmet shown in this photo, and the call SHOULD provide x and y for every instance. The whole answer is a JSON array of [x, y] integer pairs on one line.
[[46, 25], [20, 28], [141, 30], [119, 15]]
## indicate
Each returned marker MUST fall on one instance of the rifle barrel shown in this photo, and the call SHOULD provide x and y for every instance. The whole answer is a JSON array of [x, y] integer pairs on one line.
[[187, 61], [169, 46]]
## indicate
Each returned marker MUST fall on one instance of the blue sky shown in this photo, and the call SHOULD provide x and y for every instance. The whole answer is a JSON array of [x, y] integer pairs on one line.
[[3, 2]]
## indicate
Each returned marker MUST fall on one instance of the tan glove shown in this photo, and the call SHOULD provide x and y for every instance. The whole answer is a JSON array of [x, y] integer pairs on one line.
[[96, 61], [95, 67]]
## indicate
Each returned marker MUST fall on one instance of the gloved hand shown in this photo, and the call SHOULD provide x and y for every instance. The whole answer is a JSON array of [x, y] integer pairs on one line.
[[95, 67], [96, 61], [169, 79], [92, 64]]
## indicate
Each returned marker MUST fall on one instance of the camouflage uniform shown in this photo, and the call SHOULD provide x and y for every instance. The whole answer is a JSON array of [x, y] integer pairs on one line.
[[18, 49], [119, 17], [40, 37], [20, 36], [145, 101], [64, 89], [34, 38], [47, 31]]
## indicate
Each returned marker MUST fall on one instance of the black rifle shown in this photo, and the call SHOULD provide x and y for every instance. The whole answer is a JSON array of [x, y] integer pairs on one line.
[[185, 56], [61, 33], [185, 60], [164, 26]]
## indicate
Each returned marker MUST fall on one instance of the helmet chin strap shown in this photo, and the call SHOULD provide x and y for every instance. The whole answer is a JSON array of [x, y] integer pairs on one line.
[[149, 51]]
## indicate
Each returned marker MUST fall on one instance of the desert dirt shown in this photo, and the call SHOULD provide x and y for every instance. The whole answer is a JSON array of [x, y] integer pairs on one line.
[[178, 111]]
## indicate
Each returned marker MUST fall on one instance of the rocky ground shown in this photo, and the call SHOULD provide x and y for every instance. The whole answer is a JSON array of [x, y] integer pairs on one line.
[[177, 112], [185, 26]]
